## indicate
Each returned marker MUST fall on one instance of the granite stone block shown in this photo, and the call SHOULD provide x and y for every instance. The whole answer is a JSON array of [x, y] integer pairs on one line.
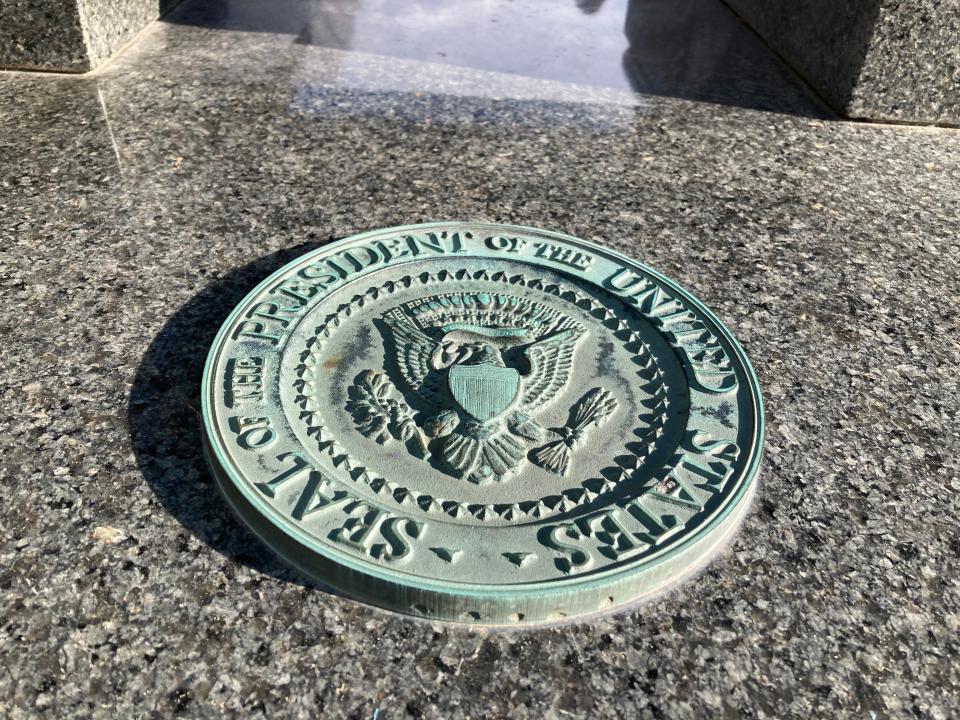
[[869, 59], [42, 36], [70, 35]]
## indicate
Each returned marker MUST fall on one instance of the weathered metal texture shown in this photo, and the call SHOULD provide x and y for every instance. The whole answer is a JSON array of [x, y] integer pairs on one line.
[[482, 423]]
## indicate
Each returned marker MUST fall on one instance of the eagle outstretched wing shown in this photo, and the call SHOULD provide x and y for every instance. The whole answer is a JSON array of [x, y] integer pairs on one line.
[[551, 360], [413, 354]]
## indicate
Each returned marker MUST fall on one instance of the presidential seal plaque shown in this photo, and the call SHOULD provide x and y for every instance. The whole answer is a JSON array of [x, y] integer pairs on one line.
[[482, 423]]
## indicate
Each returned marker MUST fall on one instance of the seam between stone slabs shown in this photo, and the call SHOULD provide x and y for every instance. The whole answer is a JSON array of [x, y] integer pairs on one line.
[[808, 87]]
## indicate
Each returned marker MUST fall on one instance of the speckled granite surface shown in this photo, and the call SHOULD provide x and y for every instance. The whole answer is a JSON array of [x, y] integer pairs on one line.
[[875, 59], [147, 201]]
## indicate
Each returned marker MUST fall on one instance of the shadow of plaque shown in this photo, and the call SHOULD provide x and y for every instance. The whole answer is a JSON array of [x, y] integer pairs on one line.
[[166, 425]]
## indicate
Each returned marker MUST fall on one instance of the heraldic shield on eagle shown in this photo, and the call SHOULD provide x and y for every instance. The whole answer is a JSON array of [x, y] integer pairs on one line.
[[476, 368]]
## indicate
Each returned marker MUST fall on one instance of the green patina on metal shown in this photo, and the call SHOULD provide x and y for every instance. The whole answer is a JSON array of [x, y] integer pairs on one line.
[[483, 391], [482, 423], [487, 332]]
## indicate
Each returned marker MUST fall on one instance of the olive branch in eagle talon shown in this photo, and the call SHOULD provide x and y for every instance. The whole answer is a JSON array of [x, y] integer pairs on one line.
[[379, 415]]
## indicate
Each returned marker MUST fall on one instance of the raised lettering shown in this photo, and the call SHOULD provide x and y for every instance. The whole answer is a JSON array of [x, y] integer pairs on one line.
[[658, 529], [507, 244], [252, 432], [574, 557], [713, 470], [317, 494], [257, 330], [563, 255], [377, 533], [300, 465], [244, 380], [615, 540], [395, 247], [361, 257], [393, 530]]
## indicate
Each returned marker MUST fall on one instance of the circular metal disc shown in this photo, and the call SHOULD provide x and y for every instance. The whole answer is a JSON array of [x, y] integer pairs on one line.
[[482, 423]]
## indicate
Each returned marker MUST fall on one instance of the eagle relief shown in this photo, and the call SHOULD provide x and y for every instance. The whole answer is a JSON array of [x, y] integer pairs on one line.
[[467, 375]]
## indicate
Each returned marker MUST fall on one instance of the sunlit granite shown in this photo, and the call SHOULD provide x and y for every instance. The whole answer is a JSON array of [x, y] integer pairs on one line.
[[145, 202]]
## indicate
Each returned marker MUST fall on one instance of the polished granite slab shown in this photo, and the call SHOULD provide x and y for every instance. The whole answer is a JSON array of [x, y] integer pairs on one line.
[[146, 200], [693, 49]]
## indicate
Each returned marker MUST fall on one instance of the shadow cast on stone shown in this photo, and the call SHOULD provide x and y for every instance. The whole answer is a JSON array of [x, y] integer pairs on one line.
[[699, 50], [824, 41], [166, 425]]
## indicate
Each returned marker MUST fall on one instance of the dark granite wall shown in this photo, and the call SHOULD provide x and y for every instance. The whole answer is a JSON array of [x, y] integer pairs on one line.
[[871, 59]]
